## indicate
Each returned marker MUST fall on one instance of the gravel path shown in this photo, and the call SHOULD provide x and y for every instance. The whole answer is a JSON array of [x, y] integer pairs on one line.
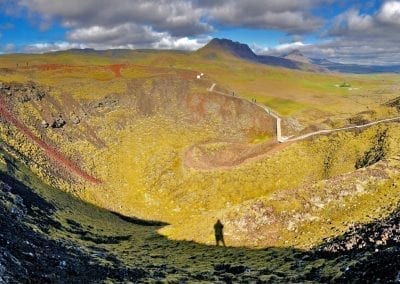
[[283, 139]]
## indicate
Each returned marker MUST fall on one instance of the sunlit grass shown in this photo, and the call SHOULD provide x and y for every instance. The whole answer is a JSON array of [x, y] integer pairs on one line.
[[142, 163]]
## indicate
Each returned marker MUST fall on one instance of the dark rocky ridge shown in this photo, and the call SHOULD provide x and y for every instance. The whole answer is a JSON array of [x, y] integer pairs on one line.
[[355, 68], [375, 247], [243, 51], [29, 256], [296, 55], [295, 59]]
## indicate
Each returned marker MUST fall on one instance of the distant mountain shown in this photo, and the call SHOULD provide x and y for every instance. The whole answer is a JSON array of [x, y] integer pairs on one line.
[[293, 60], [296, 55], [327, 65], [228, 46], [355, 68], [308, 63], [243, 51]]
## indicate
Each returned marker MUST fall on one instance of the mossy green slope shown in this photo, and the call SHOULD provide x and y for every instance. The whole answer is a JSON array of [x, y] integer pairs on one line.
[[136, 126], [127, 249]]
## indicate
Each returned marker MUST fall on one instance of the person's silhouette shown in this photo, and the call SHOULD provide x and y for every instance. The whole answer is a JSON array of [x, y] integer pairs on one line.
[[219, 234]]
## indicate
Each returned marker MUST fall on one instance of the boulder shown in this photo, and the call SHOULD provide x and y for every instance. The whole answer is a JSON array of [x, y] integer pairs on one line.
[[75, 119], [58, 122], [44, 124]]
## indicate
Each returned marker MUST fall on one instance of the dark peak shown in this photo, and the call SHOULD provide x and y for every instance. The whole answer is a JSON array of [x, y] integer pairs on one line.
[[295, 52], [225, 42], [243, 51], [321, 61], [226, 45], [296, 55]]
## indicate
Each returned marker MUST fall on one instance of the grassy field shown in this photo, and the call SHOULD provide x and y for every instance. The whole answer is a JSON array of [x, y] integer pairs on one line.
[[139, 118], [110, 241]]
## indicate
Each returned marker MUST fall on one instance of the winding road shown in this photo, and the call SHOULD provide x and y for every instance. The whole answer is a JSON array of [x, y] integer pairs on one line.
[[284, 139]]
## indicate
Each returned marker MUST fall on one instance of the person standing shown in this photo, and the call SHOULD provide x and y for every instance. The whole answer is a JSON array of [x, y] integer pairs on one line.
[[219, 233]]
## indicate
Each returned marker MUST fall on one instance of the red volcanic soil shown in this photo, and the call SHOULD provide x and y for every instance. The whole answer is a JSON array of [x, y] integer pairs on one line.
[[116, 68], [48, 67], [52, 153]]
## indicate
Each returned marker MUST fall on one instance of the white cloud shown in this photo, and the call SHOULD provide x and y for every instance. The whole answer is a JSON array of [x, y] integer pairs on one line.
[[184, 43], [167, 22], [290, 46], [9, 47], [280, 49], [359, 22], [390, 13], [177, 17], [47, 47], [291, 16], [117, 35], [353, 36], [163, 43]]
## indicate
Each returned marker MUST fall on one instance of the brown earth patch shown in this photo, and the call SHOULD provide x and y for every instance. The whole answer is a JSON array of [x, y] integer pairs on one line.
[[116, 69], [49, 67], [225, 155], [233, 112]]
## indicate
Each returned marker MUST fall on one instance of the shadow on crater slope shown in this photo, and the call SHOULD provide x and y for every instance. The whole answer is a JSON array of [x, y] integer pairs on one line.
[[49, 236]]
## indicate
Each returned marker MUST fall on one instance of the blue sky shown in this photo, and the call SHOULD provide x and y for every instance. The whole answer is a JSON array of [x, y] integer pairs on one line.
[[344, 31]]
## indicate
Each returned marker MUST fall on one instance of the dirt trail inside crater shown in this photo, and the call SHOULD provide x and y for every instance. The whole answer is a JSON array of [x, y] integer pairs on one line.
[[234, 154]]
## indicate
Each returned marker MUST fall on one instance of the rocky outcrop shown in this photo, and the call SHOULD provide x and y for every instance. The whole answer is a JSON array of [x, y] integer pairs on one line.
[[395, 103], [374, 251], [29, 256], [376, 153], [75, 119], [105, 104], [23, 92], [44, 124], [174, 97], [58, 122]]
